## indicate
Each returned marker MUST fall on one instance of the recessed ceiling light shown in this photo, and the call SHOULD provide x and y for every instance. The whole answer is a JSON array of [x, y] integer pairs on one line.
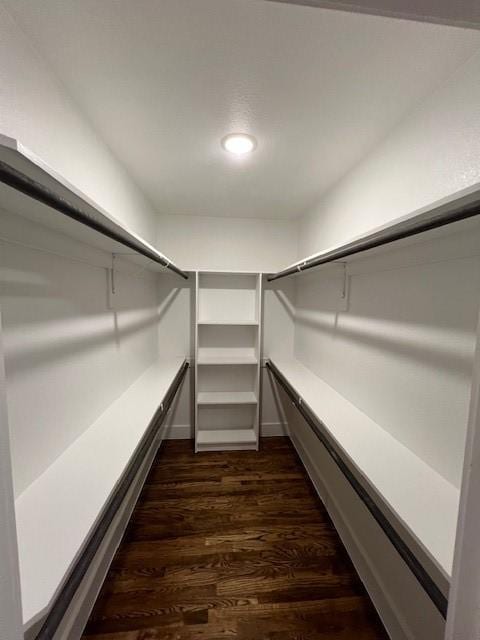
[[239, 143]]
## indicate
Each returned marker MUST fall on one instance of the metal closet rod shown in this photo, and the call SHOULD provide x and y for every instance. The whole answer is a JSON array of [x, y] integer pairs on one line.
[[26, 185], [398, 231], [81, 566], [321, 432]]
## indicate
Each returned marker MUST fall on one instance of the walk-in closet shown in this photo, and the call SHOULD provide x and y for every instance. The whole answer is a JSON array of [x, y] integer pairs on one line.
[[239, 320]]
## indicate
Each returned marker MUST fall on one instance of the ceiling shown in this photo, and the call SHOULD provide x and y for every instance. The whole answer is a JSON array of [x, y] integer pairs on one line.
[[162, 81]]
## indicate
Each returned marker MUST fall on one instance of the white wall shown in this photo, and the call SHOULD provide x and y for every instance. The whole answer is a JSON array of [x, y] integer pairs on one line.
[[403, 351], [35, 109], [433, 153], [67, 355], [250, 244]]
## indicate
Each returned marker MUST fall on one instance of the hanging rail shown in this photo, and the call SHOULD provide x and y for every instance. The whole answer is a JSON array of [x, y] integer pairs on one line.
[[447, 213], [321, 432], [34, 189], [80, 568]]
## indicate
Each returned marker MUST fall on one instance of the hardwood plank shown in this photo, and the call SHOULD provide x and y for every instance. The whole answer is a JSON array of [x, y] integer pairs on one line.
[[228, 545], [189, 488]]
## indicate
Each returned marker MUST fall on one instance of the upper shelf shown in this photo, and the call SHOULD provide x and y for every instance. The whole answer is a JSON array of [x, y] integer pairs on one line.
[[38, 192], [460, 207]]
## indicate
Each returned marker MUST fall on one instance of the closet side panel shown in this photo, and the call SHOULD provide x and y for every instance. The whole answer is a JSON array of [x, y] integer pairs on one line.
[[72, 343]]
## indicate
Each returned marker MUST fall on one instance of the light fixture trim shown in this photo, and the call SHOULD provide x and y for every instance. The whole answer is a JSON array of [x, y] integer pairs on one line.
[[239, 144]]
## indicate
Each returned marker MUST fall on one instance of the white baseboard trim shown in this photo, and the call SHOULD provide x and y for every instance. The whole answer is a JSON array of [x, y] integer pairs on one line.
[[272, 429]]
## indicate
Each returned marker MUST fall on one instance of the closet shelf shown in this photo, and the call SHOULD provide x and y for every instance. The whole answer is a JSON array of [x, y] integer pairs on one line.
[[230, 323], [463, 206], [224, 360], [226, 437], [226, 397], [420, 500], [30, 187], [57, 512]]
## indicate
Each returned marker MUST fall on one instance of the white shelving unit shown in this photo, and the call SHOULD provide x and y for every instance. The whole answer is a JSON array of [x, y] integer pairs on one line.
[[227, 360]]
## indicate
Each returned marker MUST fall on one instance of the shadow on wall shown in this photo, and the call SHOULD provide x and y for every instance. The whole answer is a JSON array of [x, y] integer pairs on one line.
[[402, 340], [285, 293], [33, 355], [278, 302], [176, 313], [58, 334], [287, 302], [426, 314], [57, 327]]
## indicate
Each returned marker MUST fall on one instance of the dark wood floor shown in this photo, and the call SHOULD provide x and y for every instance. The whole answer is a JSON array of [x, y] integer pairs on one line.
[[231, 545]]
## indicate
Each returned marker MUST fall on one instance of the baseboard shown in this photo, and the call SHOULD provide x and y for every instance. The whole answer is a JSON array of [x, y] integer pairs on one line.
[[272, 429]]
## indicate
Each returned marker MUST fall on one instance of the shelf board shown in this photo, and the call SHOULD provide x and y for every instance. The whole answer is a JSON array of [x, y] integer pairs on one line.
[[226, 436], [226, 397], [223, 360], [232, 323]]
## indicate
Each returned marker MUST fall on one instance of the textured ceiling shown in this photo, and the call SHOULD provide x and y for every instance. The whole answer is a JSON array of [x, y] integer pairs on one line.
[[162, 81]]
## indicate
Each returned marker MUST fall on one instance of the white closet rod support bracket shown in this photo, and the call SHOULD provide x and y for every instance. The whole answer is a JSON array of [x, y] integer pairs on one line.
[[112, 275], [111, 284], [345, 292]]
